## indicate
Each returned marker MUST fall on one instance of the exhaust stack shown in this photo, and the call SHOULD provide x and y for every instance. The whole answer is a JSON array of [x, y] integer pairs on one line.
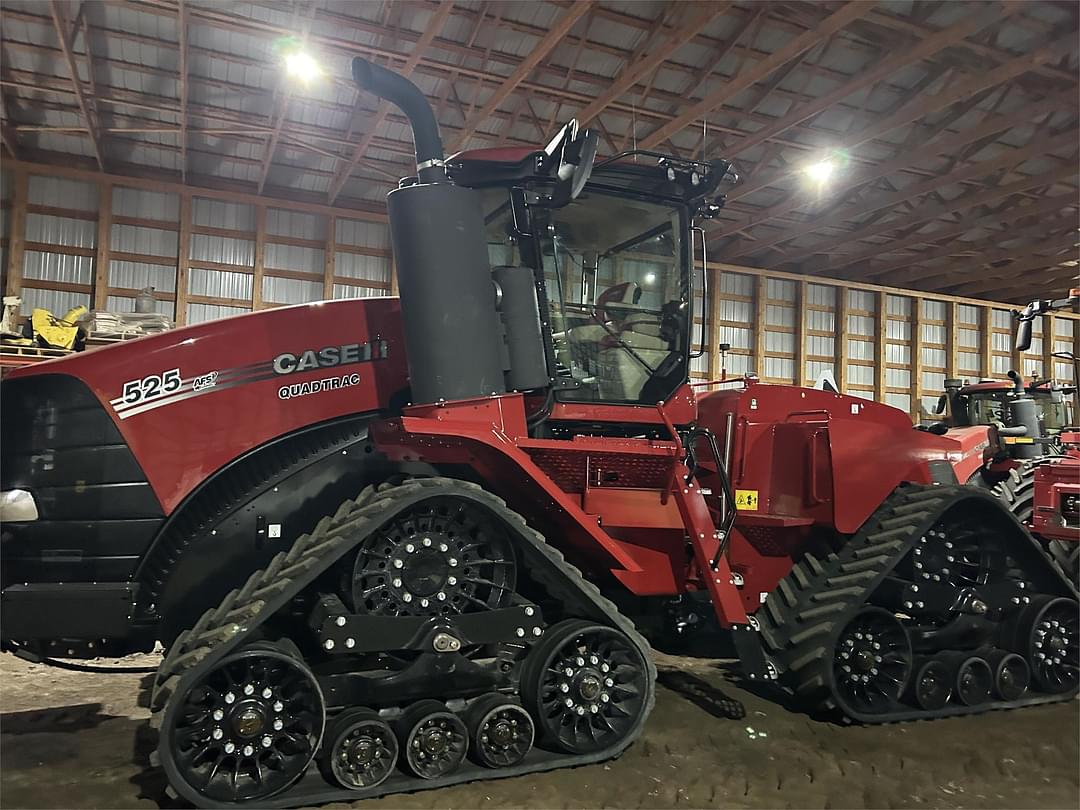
[[452, 331]]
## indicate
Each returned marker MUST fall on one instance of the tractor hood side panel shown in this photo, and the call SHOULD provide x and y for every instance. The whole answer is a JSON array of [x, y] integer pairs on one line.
[[189, 401]]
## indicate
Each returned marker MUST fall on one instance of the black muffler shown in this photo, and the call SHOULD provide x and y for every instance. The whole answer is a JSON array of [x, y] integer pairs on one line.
[[452, 331]]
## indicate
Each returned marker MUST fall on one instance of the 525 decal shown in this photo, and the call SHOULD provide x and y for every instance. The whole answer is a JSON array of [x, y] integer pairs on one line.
[[154, 385]]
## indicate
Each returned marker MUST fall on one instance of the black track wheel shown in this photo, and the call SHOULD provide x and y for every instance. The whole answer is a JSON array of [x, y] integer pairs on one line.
[[500, 731], [1012, 675], [872, 662], [1047, 634], [586, 685], [974, 679], [434, 739], [359, 751], [931, 686], [245, 729]]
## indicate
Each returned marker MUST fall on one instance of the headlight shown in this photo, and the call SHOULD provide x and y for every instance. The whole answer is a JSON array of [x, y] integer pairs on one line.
[[17, 505]]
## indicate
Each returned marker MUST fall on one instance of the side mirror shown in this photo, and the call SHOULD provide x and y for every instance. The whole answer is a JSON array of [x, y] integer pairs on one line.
[[1023, 335], [573, 153]]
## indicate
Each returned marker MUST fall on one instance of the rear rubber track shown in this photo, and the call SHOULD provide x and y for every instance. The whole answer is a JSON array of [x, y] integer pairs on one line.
[[224, 629], [803, 616]]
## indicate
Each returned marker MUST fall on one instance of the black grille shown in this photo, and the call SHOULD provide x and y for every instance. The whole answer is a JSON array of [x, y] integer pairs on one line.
[[97, 513]]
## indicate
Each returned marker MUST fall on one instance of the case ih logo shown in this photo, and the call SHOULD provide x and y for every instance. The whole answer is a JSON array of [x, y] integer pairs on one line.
[[157, 390], [329, 357]]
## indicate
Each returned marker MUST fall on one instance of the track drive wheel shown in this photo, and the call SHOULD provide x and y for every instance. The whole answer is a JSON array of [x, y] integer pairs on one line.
[[360, 750], [872, 662], [500, 732], [433, 738], [586, 685], [1047, 634], [974, 680], [245, 729]]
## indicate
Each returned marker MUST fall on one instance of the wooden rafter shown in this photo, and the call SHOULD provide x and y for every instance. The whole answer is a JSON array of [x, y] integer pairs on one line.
[[66, 37], [808, 39], [889, 65], [182, 39], [931, 212], [539, 51], [285, 90], [434, 26], [1041, 251], [638, 68], [922, 106], [1036, 148]]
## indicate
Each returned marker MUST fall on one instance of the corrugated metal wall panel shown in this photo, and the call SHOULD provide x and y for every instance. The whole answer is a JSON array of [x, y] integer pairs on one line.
[[222, 214], [219, 284], [222, 250], [1001, 318], [897, 330], [895, 353], [137, 202], [736, 284], [199, 313], [820, 321], [362, 234], [58, 267], [349, 291], [60, 231], [898, 305], [781, 368], [933, 333], [968, 315], [820, 346], [369, 268], [122, 303], [56, 301], [291, 290], [136, 275], [862, 299], [901, 401], [968, 338], [738, 337], [780, 342], [780, 289], [148, 241], [821, 295], [741, 311], [897, 378], [815, 368], [779, 316], [58, 192], [295, 224], [968, 362], [294, 257], [934, 310], [861, 325]]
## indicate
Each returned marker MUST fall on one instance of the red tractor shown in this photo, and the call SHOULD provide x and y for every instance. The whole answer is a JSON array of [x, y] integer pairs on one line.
[[394, 544], [1044, 491]]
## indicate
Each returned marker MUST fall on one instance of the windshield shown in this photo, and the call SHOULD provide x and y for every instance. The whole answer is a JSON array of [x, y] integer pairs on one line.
[[617, 290], [990, 407]]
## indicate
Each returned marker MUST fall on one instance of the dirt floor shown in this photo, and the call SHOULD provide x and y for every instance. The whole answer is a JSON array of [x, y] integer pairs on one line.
[[68, 740]]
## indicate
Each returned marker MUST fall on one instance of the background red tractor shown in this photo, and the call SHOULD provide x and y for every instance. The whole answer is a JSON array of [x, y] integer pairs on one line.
[[395, 544]]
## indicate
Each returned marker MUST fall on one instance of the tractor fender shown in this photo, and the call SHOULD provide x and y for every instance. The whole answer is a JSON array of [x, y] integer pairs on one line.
[[248, 511]]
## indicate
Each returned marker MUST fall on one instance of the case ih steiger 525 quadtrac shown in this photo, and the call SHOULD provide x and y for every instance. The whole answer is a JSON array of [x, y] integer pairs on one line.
[[528, 454]]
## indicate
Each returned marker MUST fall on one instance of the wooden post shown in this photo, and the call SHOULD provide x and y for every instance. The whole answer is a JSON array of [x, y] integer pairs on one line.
[[761, 291], [183, 257], [104, 239], [330, 257], [801, 295], [260, 249], [714, 325], [841, 345], [986, 342], [1048, 347], [916, 358], [17, 237], [952, 343], [880, 318]]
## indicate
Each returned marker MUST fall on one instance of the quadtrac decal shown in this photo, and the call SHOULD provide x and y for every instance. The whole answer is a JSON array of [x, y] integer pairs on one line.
[[170, 386]]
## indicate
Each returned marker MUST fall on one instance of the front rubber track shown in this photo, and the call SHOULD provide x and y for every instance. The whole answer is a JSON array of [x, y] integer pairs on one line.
[[225, 628], [803, 616]]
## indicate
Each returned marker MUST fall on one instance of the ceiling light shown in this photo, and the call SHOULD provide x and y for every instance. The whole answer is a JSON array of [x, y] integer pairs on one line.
[[650, 278], [302, 66], [821, 171]]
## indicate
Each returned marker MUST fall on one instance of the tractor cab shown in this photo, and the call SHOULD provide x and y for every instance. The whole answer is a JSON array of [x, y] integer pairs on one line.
[[612, 260], [987, 403]]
